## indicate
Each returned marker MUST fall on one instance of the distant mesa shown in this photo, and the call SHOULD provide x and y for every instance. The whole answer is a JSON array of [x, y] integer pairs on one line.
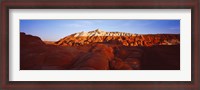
[[118, 38], [103, 37], [99, 32]]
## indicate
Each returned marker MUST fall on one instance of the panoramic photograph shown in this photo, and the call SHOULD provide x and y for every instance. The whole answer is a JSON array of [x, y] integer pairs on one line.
[[99, 44]]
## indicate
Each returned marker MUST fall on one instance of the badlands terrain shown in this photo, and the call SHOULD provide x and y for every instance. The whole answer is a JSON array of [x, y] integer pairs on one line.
[[100, 50]]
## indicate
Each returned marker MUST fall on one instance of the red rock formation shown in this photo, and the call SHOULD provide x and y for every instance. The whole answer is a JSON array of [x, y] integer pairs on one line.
[[34, 54], [31, 51], [100, 52], [30, 41], [118, 64], [98, 58], [119, 38]]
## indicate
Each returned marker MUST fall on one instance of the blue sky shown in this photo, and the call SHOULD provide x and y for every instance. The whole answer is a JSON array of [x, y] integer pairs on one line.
[[53, 30]]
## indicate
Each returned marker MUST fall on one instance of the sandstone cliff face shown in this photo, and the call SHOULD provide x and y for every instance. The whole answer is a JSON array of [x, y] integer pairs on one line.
[[31, 51], [30, 41], [119, 38]]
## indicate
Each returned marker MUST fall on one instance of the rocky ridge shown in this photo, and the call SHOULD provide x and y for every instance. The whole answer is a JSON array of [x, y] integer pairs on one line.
[[118, 38], [99, 32]]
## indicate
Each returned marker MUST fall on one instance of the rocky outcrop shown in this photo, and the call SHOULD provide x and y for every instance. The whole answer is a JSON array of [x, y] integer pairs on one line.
[[31, 51], [30, 41], [97, 58], [119, 38]]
